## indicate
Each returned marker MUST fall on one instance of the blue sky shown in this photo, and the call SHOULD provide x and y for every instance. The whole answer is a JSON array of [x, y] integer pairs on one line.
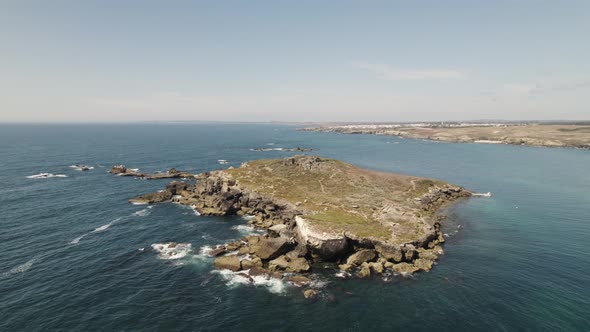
[[120, 61]]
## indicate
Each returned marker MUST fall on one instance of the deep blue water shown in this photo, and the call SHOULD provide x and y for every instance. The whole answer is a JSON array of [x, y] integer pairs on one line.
[[516, 261]]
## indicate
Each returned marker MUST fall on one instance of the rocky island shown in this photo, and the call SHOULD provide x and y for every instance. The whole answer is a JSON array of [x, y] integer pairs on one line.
[[320, 210]]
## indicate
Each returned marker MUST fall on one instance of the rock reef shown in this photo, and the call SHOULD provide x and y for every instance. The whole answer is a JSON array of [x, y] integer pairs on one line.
[[172, 173], [320, 210]]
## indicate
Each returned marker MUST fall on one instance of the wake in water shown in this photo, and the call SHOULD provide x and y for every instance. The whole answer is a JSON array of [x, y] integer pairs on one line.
[[140, 213], [46, 176], [19, 269]]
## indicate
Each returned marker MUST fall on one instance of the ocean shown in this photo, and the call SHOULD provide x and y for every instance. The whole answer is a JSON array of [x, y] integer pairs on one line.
[[76, 256]]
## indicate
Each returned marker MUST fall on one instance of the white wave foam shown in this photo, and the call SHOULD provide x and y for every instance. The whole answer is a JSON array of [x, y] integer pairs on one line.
[[102, 228], [81, 167], [235, 279], [77, 240], [342, 274], [171, 250], [46, 176], [248, 217], [134, 169], [19, 269], [138, 203], [205, 250], [247, 229], [142, 213]]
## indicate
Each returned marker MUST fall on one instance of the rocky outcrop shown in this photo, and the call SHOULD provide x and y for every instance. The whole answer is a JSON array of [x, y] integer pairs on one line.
[[228, 262], [270, 248], [361, 256]]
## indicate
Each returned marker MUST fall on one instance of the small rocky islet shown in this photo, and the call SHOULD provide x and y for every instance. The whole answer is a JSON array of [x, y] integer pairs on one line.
[[316, 210]]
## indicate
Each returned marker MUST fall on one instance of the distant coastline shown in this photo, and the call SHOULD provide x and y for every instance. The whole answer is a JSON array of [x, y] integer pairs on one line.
[[549, 134]]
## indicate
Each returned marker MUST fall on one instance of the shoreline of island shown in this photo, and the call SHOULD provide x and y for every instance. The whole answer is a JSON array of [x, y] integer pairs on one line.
[[399, 237]]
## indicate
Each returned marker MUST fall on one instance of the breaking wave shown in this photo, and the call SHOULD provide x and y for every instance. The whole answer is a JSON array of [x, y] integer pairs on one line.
[[247, 229], [46, 176], [172, 250], [236, 279]]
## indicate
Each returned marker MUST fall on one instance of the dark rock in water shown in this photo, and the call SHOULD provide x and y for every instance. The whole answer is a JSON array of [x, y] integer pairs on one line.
[[361, 256], [157, 197], [299, 280], [217, 251], [270, 248], [227, 262], [310, 293], [118, 169]]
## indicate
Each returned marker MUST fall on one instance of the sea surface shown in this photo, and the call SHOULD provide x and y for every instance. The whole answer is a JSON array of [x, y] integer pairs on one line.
[[76, 256]]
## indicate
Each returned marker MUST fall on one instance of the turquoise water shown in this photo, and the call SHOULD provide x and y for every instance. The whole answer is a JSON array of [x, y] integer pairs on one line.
[[516, 261]]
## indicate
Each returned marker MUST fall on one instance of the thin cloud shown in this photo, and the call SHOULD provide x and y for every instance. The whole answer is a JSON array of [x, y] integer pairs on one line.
[[396, 74]]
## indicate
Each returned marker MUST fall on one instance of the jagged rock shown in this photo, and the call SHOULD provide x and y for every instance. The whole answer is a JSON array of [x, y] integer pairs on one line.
[[426, 254], [278, 230], [409, 252], [227, 262], [376, 267], [297, 264], [243, 250], [423, 264], [233, 246], [365, 271], [253, 262], [345, 267], [270, 248], [299, 251], [258, 271], [118, 169], [310, 293], [390, 253], [176, 187], [405, 268], [361, 256]]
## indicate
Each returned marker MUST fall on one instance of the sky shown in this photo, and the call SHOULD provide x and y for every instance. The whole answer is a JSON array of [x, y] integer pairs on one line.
[[296, 61]]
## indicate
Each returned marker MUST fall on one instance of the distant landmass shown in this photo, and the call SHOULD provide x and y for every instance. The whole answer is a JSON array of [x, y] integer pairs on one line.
[[547, 134]]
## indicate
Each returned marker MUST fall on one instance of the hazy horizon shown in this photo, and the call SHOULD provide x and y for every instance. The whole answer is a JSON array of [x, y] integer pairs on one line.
[[263, 61]]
